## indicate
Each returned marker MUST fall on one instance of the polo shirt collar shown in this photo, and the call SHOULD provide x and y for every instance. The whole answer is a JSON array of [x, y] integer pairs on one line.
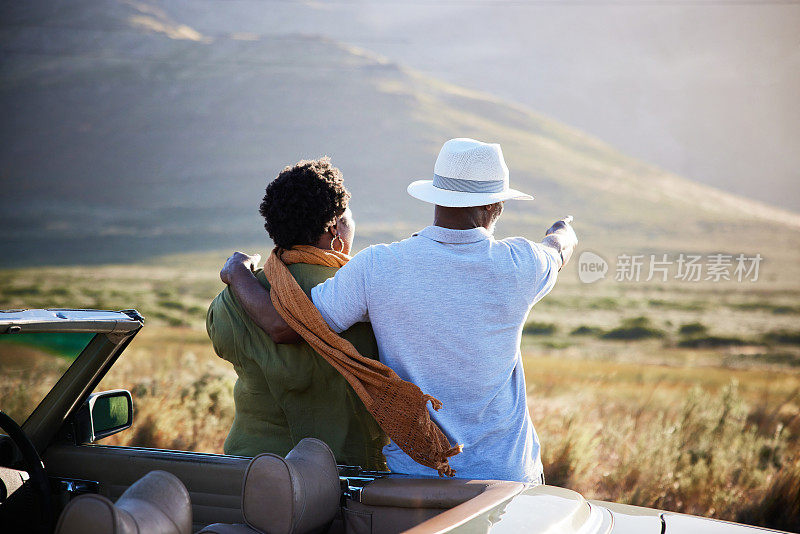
[[448, 235]]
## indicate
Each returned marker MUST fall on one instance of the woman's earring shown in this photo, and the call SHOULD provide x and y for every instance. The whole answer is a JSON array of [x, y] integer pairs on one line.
[[334, 241]]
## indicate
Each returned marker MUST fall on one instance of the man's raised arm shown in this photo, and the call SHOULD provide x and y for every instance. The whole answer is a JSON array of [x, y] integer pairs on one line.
[[238, 274], [561, 237]]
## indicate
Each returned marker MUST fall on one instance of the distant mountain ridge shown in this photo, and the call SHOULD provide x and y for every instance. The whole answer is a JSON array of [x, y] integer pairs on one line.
[[130, 135]]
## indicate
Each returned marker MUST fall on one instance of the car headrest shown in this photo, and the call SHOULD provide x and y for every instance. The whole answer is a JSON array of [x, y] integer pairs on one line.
[[292, 495], [157, 503]]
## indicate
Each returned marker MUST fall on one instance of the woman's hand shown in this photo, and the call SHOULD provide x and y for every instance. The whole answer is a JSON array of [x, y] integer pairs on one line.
[[238, 260]]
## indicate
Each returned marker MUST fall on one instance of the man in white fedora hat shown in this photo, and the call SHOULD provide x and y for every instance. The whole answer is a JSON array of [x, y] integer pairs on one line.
[[447, 306]]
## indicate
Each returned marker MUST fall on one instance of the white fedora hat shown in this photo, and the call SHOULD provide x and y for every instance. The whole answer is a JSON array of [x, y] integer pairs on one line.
[[467, 173]]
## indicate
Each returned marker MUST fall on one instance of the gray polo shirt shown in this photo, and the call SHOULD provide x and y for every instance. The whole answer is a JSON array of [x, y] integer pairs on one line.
[[447, 308]]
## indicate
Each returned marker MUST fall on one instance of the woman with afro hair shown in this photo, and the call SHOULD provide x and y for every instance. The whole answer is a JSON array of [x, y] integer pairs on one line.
[[286, 392]]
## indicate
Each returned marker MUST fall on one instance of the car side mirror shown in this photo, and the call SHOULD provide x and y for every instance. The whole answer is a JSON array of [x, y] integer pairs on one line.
[[102, 415]]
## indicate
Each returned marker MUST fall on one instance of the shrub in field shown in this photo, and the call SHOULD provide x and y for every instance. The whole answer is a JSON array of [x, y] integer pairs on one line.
[[777, 309], [635, 328], [784, 337], [696, 336], [172, 304], [22, 291], [711, 341], [584, 330], [539, 329], [603, 303], [692, 329]]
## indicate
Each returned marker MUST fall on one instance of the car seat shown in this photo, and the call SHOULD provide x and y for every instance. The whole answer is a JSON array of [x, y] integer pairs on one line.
[[298, 494], [157, 503]]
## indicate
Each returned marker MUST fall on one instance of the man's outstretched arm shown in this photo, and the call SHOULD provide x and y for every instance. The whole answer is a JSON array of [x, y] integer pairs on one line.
[[254, 299], [561, 237]]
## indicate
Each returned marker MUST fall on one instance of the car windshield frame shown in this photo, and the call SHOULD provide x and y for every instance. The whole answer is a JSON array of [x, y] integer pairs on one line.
[[63, 320], [113, 331]]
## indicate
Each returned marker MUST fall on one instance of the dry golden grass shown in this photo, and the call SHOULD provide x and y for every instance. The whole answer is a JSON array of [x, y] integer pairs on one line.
[[26, 375], [716, 442], [709, 430], [712, 441], [183, 393]]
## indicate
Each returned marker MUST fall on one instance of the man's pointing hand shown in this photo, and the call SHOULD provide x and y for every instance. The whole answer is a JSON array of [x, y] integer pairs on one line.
[[561, 237], [559, 225]]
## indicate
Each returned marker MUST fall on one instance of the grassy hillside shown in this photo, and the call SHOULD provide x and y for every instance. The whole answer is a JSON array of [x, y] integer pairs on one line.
[[130, 135]]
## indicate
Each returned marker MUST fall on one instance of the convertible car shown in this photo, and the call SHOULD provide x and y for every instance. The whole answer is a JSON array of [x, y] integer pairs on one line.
[[55, 478]]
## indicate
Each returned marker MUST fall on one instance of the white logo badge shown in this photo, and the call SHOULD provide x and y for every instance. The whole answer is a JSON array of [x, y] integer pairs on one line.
[[591, 267]]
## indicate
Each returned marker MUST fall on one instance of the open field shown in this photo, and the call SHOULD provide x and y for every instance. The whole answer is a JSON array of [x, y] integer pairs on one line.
[[706, 439], [677, 396]]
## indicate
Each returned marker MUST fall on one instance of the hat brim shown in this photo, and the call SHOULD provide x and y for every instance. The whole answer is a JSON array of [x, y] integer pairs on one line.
[[424, 190]]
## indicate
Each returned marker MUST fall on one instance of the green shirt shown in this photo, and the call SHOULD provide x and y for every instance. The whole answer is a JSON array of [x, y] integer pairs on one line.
[[288, 392]]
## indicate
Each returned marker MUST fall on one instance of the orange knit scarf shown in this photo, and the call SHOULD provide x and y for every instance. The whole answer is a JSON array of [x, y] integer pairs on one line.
[[399, 407]]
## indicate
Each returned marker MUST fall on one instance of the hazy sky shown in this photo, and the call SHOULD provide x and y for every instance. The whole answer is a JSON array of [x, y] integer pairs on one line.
[[708, 89]]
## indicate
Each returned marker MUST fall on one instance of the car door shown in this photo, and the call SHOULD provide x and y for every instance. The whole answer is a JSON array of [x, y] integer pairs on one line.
[[214, 481], [74, 464]]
